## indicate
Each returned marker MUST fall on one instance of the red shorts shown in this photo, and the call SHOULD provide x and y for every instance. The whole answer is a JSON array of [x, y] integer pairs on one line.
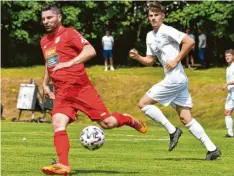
[[80, 96]]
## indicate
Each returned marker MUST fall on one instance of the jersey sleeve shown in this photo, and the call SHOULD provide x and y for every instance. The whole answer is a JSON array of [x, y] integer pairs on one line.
[[77, 40], [42, 44], [148, 49], [174, 35]]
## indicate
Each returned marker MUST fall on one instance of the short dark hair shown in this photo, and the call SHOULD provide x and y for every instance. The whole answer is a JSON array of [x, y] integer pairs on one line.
[[229, 51], [155, 6], [51, 7]]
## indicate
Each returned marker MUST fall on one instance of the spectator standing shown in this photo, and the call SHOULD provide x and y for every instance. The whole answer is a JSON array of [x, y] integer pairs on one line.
[[202, 44], [108, 44]]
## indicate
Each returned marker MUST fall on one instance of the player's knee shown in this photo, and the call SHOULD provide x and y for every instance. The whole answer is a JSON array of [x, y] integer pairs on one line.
[[58, 123], [184, 120], [108, 124], [141, 104], [103, 125], [227, 112]]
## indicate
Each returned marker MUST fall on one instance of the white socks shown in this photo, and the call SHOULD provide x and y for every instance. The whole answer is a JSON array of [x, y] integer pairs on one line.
[[229, 124], [156, 114], [197, 130], [194, 127]]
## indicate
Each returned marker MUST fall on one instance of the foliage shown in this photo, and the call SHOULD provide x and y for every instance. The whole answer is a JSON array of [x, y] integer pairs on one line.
[[22, 28], [214, 17]]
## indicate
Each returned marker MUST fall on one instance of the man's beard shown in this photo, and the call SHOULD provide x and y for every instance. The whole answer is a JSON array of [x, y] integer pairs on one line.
[[49, 30]]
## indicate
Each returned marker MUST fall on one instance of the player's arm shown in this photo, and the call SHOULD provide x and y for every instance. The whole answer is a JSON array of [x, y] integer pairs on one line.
[[46, 81], [87, 53], [187, 44], [227, 84], [230, 83], [147, 60], [81, 44]]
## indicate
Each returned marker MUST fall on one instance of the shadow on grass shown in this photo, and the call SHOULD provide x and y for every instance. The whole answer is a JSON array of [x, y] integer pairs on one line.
[[180, 159], [108, 172]]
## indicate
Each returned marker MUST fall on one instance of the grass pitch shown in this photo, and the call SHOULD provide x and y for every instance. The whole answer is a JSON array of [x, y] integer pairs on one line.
[[28, 146]]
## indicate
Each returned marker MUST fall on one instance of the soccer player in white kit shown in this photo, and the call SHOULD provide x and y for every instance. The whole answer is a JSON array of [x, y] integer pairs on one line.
[[229, 105], [164, 43]]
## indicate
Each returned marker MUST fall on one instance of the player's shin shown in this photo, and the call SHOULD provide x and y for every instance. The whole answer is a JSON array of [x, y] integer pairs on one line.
[[122, 119], [156, 115], [127, 119], [62, 146], [229, 124], [197, 130]]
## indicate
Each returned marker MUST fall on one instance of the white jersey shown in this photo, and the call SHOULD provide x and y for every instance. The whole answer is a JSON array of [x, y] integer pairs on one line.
[[202, 41], [107, 42], [230, 76], [165, 45]]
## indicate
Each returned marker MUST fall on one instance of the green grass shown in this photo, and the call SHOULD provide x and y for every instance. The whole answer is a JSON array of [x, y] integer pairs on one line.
[[125, 152]]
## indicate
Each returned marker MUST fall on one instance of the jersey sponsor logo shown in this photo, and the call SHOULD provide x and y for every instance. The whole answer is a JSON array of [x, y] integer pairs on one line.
[[50, 52], [51, 57]]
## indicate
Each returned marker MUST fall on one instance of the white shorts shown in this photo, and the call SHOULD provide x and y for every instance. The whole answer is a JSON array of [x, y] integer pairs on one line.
[[229, 105], [171, 93]]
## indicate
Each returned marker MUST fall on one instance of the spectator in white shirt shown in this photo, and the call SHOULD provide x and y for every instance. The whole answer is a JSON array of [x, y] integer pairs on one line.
[[107, 44]]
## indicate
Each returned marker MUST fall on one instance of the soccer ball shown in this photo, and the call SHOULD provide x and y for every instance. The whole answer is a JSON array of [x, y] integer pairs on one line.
[[92, 137]]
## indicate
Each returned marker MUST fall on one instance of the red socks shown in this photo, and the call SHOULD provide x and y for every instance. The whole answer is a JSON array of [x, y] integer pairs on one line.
[[62, 146], [122, 119]]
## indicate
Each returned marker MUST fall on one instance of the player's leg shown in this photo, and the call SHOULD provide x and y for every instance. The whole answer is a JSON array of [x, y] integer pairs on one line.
[[183, 104], [61, 143], [229, 123], [146, 104], [229, 106], [116, 120], [90, 102], [197, 130]]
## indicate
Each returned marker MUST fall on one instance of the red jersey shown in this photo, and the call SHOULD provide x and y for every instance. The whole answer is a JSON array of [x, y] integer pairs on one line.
[[63, 46]]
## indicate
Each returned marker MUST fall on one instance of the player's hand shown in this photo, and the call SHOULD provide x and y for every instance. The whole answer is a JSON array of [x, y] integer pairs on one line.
[[62, 65], [224, 86], [133, 53], [171, 64], [48, 93]]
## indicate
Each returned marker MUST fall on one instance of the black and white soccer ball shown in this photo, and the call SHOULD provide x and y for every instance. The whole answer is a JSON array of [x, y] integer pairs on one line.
[[92, 137]]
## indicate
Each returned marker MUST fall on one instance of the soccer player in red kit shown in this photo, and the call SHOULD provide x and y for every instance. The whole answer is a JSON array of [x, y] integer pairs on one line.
[[65, 50]]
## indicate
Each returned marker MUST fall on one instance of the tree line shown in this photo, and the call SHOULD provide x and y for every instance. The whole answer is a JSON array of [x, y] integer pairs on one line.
[[21, 27]]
